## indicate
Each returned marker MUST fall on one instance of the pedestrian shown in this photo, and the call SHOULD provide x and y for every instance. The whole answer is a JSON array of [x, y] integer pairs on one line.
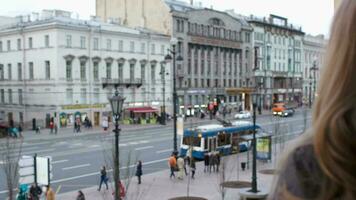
[[211, 162], [50, 195], [51, 126], [22, 194], [80, 195], [38, 129], [20, 130], [186, 162], [217, 161], [139, 171], [55, 128], [172, 163], [206, 162], [35, 192], [180, 164], [321, 165], [103, 178], [192, 166]]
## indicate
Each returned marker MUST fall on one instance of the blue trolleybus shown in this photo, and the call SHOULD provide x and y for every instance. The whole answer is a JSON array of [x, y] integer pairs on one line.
[[215, 137]]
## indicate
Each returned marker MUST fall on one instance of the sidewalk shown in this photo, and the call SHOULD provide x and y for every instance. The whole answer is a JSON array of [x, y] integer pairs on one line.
[[30, 135], [158, 185]]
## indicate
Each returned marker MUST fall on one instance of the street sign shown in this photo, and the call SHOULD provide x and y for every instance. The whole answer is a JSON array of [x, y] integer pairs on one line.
[[26, 171], [26, 161], [42, 171]]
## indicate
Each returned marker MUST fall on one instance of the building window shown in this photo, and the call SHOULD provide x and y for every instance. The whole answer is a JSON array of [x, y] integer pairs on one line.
[[9, 71], [10, 95], [19, 71], [2, 77], [108, 70], [83, 70], [121, 71], [83, 96], [69, 41], [132, 46], [8, 45], [96, 71], [153, 73], [121, 45], [46, 40], [30, 43], [143, 71], [69, 70], [18, 44], [30, 69], [20, 96], [82, 42], [48, 69], [153, 49], [108, 44], [96, 95], [69, 96], [143, 47], [2, 96], [132, 72], [96, 43], [162, 49]]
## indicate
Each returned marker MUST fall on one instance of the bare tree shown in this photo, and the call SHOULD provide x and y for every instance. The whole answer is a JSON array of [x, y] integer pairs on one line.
[[222, 177], [10, 154]]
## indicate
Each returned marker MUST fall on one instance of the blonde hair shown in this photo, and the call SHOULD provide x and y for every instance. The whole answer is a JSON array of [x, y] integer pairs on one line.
[[334, 115]]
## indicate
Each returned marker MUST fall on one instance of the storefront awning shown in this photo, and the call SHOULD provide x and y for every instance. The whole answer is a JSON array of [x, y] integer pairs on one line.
[[142, 110]]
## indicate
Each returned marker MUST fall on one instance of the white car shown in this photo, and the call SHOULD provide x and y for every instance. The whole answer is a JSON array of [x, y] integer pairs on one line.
[[243, 115]]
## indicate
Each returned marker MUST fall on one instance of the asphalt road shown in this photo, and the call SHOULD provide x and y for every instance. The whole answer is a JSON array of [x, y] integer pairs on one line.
[[76, 163]]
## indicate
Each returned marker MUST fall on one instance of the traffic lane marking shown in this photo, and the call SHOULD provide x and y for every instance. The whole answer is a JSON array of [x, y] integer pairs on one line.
[[59, 161], [143, 148], [164, 150], [76, 166]]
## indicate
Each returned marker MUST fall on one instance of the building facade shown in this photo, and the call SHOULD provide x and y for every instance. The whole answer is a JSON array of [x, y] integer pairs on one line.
[[313, 56], [277, 69], [55, 67], [216, 48]]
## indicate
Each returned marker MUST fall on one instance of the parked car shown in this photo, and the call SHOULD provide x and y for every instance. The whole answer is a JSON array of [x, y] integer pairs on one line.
[[287, 112], [243, 115]]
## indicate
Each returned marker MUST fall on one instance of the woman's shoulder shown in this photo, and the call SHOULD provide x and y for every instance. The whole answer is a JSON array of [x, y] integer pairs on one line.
[[300, 176]]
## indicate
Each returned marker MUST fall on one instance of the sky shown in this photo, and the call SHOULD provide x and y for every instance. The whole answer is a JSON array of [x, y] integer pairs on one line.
[[313, 15]]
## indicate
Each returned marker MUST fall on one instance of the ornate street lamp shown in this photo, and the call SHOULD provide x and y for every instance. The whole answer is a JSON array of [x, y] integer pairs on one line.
[[254, 167], [116, 103], [171, 56]]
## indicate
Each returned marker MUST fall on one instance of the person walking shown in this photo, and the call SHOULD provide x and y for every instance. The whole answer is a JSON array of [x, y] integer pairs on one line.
[[192, 166], [217, 161], [80, 195], [55, 128], [186, 162], [321, 165], [180, 164], [38, 129], [206, 162], [211, 162], [50, 195], [172, 163], [139, 171], [51, 126], [103, 178], [35, 192], [20, 130], [22, 194]]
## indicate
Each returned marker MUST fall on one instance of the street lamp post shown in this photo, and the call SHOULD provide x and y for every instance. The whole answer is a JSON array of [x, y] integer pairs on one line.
[[254, 167], [168, 58], [163, 109], [116, 103], [314, 69]]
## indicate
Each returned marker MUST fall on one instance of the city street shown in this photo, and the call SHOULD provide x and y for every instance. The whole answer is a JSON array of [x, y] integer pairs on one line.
[[76, 162]]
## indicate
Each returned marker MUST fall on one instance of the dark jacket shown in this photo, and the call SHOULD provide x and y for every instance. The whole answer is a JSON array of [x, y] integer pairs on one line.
[[206, 159], [80, 197], [139, 169], [103, 173]]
